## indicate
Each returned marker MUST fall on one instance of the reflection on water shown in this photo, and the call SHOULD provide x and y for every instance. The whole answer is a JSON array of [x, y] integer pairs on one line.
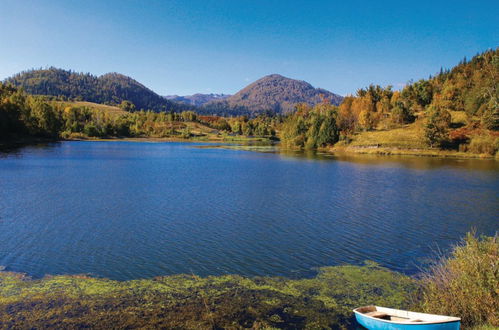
[[414, 162], [128, 210]]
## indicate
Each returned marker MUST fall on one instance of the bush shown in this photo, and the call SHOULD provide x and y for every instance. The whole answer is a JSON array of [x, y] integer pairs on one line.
[[91, 130], [484, 144], [466, 284]]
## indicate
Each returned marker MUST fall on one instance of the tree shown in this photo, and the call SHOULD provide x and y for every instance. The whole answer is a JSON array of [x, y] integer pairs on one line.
[[311, 129], [43, 120], [12, 108], [127, 106], [437, 126], [366, 120]]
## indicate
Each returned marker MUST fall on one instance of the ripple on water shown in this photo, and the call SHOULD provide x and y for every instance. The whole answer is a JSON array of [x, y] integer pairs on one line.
[[131, 210]]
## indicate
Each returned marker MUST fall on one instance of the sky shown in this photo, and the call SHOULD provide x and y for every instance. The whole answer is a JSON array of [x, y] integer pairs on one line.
[[219, 46]]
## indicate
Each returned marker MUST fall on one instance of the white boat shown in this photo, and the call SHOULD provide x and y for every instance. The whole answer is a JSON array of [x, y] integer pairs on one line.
[[375, 317]]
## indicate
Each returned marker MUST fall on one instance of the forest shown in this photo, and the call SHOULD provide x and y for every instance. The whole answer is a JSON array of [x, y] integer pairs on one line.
[[456, 110], [111, 88], [24, 115]]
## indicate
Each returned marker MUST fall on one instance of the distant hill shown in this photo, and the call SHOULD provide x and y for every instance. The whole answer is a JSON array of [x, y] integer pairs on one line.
[[273, 93], [197, 99], [110, 88]]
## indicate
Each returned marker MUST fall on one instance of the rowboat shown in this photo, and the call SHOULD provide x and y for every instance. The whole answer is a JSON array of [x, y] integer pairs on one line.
[[375, 317]]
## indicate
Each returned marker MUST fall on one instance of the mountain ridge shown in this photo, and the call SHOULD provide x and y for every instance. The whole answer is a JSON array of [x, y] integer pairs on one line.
[[273, 93]]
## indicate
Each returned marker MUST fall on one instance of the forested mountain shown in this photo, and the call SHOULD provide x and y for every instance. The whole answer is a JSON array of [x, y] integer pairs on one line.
[[110, 88], [273, 93], [197, 99]]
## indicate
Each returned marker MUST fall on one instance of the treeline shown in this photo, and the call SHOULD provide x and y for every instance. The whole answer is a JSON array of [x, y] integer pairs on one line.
[[311, 127], [470, 89], [23, 115]]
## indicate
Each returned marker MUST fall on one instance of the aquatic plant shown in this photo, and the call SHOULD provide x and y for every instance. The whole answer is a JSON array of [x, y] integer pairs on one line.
[[186, 301]]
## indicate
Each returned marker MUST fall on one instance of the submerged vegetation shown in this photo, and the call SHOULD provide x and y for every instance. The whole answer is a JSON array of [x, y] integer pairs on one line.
[[185, 301], [464, 284]]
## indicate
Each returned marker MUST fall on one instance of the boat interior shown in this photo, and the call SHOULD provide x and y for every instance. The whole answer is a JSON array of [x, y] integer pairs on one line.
[[396, 315]]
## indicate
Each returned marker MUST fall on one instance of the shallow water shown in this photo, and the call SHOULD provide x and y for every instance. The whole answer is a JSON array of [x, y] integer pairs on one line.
[[128, 210]]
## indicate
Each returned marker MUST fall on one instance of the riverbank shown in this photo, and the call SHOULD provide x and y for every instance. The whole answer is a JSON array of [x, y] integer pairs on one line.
[[338, 149], [16, 143], [387, 151], [215, 139], [401, 141]]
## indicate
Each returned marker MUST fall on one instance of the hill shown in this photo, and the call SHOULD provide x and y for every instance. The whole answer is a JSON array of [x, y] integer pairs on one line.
[[110, 88], [454, 113], [273, 93], [197, 99]]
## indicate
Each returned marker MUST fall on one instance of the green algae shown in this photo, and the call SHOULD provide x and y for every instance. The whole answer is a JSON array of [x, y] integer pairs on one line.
[[191, 302]]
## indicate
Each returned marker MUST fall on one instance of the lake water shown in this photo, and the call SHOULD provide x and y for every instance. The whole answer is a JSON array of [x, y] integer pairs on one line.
[[127, 210]]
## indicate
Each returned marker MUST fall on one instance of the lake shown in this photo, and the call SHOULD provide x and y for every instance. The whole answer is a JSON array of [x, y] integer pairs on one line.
[[127, 210]]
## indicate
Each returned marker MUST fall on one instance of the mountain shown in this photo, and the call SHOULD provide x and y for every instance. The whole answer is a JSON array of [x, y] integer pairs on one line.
[[272, 93], [110, 88], [197, 99]]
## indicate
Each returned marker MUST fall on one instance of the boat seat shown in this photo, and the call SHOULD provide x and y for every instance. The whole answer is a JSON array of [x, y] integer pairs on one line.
[[378, 315], [415, 320]]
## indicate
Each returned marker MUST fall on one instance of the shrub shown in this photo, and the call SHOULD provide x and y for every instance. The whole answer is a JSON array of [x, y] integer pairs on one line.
[[91, 130], [466, 284], [484, 144]]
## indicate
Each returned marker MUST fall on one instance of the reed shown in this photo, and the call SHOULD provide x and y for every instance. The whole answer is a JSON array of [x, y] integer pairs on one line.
[[466, 283]]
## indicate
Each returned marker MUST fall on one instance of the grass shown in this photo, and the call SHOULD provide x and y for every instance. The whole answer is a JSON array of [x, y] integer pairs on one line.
[[466, 283], [406, 141], [185, 301], [113, 110], [407, 137]]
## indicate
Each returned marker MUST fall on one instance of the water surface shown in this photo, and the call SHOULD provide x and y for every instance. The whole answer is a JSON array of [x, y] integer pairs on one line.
[[128, 210]]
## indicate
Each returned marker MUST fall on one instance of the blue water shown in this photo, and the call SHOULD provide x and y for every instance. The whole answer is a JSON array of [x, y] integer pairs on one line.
[[126, 210]]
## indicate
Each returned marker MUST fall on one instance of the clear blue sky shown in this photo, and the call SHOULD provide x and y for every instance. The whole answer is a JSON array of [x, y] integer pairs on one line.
[[188, 46]]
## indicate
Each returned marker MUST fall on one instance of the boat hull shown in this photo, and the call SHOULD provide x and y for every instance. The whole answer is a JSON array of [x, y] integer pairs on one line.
[[372, 324]]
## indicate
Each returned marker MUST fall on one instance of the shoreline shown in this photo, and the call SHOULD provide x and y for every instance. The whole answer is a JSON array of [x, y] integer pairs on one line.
[[6, 146], [384, 151]]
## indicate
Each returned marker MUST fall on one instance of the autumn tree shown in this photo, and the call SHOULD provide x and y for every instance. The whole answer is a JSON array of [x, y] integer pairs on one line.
[[437, 126]]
